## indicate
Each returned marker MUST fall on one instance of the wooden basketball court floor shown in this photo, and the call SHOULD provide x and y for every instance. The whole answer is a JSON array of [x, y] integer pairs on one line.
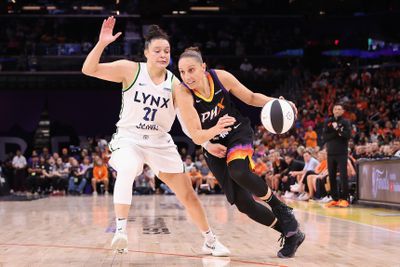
[[77, 231]]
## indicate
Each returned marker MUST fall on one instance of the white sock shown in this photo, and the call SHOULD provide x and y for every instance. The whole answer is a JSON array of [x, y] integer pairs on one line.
[[209, 236], [121, 224]]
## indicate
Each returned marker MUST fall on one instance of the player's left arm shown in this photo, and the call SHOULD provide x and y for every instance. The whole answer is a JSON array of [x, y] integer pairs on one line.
[[243, 93], [240, 91]]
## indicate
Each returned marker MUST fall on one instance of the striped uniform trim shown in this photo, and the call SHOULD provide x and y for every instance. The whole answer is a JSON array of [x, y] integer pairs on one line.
[[134, 80], [214, 74], [172, 83], [241, 152], [211, 83]]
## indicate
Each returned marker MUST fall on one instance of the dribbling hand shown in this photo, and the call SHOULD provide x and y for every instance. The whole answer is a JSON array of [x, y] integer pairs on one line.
[[106, 33], [292, 104]]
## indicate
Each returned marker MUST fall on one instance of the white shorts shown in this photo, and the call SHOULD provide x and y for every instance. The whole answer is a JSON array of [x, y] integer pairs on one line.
[[158, 151]]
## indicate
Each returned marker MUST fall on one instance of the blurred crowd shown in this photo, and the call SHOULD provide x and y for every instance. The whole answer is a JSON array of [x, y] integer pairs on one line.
[[293, 164], [24, 40]]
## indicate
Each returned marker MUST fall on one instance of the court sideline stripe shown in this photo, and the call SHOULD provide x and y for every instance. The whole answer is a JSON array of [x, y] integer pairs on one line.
[[141, 251], [344, 220]]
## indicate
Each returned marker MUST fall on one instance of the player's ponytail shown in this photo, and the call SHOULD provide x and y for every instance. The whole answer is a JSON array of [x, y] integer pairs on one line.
[[154, 32]]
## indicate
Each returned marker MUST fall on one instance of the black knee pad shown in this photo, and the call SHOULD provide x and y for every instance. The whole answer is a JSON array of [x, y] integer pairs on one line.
[[244, 205]]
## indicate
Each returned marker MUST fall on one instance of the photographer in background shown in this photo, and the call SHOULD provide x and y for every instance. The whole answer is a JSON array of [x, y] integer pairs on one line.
[[336, 135], [77, 181]]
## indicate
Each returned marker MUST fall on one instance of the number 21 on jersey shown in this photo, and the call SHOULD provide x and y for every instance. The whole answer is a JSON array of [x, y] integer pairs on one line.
[[150, 114]]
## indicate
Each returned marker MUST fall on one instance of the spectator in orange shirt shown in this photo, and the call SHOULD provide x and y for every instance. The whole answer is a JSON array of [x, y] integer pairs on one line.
[[311, 137], [100, 175]]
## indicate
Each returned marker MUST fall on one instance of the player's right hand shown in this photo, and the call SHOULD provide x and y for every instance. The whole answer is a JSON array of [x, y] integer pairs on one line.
[[106, 33], [223, 124]]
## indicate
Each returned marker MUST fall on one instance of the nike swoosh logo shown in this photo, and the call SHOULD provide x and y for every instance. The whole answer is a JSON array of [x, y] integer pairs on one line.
[[210, 247], [219, 91], [198, 101], [234, 127], [142, 84]]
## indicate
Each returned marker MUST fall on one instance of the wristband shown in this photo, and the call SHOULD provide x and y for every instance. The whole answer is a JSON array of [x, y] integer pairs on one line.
[[205, 144]]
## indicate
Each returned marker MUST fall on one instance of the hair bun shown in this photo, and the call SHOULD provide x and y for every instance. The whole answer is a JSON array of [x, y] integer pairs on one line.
[[154, 32], [193, 48], [193, 52], [154, 29]]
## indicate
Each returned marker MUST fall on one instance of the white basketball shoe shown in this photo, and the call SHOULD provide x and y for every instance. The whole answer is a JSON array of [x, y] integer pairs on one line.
[[216, 249], [120, 242]]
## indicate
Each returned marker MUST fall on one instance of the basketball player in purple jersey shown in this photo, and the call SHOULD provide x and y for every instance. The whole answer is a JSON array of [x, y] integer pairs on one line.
[[203, 99]]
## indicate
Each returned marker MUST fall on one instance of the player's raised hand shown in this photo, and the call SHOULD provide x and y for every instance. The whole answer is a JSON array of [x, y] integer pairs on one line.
[[106, 33]]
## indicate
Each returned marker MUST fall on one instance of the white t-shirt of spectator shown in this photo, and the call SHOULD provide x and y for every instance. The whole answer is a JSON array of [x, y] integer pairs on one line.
[[188, 167], [311, 165], [19, 162]]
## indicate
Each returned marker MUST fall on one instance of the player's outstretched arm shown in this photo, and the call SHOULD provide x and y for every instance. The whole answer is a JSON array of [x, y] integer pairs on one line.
[[240, 91], [115, 71], [243, 93]]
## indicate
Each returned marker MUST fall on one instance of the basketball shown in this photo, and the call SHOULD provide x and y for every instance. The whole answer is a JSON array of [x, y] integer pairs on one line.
[[277, 116]]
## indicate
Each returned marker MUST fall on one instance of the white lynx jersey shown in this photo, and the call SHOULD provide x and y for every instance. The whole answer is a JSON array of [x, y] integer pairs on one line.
[[147, 108]]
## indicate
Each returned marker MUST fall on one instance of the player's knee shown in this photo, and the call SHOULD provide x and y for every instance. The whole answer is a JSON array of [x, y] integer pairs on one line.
[[122, 192], [238, 173], [243, 206], [127, 170], [123, 184]]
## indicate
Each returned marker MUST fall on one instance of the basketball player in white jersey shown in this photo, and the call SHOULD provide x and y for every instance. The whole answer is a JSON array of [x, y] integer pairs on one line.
[[147, 114]]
